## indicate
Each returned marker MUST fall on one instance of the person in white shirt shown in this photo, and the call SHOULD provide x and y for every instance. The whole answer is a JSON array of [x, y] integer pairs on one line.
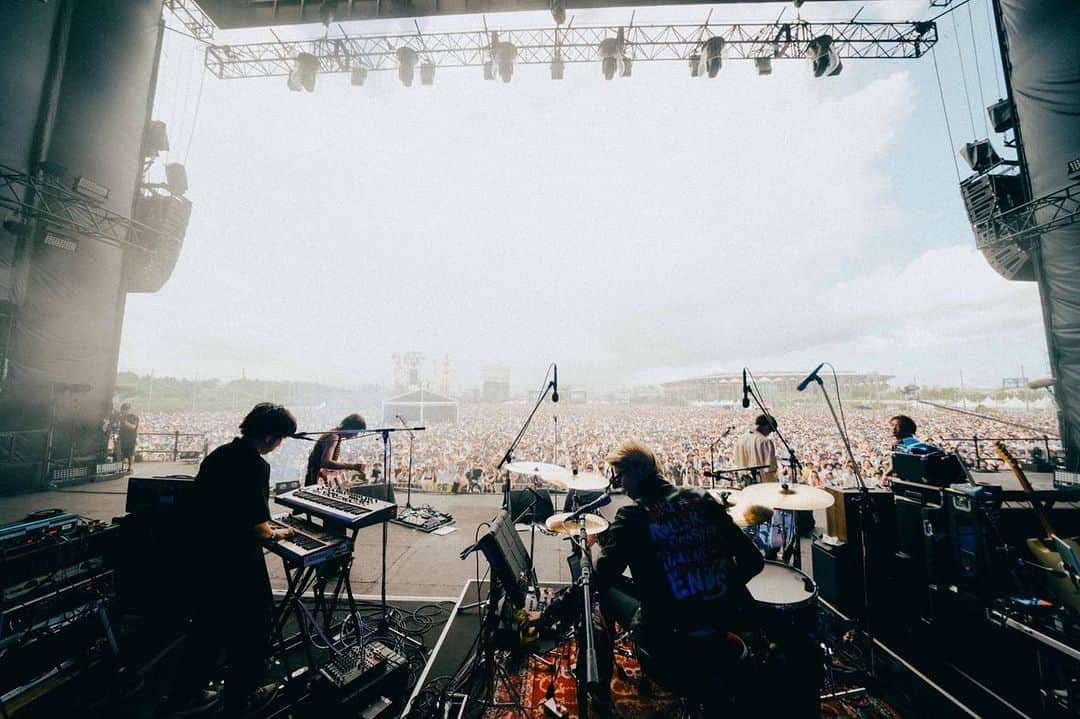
[[755, 449]]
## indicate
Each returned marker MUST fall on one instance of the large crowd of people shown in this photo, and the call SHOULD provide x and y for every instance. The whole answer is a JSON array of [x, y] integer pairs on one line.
[[687, 440]]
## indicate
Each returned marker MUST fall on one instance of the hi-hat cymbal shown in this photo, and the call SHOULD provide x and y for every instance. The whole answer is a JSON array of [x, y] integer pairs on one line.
[[584, 482], [594, 524], [727, 497], [790, 497], [543, 470]]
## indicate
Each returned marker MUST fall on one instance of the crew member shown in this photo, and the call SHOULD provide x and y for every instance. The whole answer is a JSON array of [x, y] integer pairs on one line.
[[127, 435], [323, 463], [903, 430], [755, 449], [235, 607], [690, 566]]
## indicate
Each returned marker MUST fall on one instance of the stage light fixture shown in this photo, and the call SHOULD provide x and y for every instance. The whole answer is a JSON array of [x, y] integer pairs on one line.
[[176, 178], [302, 76], [427, 73], [763, 65], [558, 11], [558, 68], [489, 70], [714, 48], [328, 12], [980, 156], [1002, 117], [695, 65], [611, 54], [627, 66], [407, 59], [824, 60], [359, 76], [505, 55]]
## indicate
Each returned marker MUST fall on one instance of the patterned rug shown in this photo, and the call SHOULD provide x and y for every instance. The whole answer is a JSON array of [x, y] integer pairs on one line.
[[528, 686]]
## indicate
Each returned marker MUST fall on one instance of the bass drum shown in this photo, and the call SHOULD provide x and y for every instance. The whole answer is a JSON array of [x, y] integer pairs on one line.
[[787, 618]]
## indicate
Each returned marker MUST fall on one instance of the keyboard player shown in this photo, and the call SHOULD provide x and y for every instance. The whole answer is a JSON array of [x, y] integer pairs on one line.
[[235, 607]]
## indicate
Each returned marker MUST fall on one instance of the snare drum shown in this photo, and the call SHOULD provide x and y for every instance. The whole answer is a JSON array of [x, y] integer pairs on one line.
[[787, 600]]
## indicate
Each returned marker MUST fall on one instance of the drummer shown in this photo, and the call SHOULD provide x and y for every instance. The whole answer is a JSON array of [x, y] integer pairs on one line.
[[690, 566]]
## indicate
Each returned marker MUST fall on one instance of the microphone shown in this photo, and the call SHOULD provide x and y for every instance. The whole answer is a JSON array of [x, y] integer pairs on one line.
[[555, 385], [601, 501], [745, 390], [810, 378]]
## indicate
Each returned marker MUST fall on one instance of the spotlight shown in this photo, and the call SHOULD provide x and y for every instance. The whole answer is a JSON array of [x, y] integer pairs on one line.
[[505, 55], [714, 47], [328, 12], [558, 11], [489, 70], [176, 178], [823, 56], [627, 65], [980, 156], [611, 53], [1002, 117], [763, 65], [359, 76], [558, 68], [427, 73], [695, 65], [302, 77], [407, 59]]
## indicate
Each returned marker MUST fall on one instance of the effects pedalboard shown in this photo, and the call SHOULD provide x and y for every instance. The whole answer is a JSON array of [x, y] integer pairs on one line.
[[425, 519], [357, 662]]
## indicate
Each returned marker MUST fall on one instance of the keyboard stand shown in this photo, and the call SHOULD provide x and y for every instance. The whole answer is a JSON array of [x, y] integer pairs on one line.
[[319, 619]]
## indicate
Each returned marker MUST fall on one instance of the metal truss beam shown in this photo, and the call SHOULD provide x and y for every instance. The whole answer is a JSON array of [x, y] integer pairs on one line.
[[67, 211], [1024, 225], [193, 18], [743, 41]]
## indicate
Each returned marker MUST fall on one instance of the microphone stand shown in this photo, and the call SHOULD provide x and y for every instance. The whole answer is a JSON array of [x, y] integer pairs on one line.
[[712, 457], [794, 547], [587, 638], [509, 455], [867, 515], [408, 486]]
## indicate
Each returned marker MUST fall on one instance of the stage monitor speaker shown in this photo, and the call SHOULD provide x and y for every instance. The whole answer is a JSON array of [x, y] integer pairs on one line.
[[832, 574], [938, 470], [525, 511], [174, 495], [842, 520]]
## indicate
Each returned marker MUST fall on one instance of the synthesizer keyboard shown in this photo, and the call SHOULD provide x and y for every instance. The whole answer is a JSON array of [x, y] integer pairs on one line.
[[338, 506], [310, 545]]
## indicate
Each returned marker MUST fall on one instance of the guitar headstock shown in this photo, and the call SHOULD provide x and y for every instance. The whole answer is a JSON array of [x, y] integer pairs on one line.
[[1005, 456]]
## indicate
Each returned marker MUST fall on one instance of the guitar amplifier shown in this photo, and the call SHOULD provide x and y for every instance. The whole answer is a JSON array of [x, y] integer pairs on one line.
[[937, 470], [173, 495], [843, 519]]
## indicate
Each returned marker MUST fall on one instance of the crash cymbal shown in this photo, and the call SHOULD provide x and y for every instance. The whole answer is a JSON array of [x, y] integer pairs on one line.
[[585, 482], [725, 496], [543, 470], [790, 497], [594, 524], [757, 513]]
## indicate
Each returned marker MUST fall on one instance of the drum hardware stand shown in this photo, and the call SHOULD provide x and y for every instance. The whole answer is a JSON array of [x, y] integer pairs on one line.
[[485, 603], [587, 671], [867, 516], [509, 455], [712, 455]]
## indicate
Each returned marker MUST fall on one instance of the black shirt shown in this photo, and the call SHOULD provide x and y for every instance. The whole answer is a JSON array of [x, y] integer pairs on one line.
[[689, 561], [315, 458], [233, 490]]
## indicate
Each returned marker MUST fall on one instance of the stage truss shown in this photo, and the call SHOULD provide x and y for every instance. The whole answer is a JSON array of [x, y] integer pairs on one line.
[[1025, 224], [538, 46]]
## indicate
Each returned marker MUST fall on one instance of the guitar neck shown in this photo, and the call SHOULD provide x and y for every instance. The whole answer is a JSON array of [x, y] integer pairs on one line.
[[1009, 460]]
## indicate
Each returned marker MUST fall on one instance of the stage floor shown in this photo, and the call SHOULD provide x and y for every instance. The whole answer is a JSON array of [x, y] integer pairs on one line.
[[417, 564]]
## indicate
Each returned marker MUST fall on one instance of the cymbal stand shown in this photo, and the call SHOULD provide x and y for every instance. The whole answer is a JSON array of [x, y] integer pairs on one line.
[[867, 516], [508, 456], [587, 673]]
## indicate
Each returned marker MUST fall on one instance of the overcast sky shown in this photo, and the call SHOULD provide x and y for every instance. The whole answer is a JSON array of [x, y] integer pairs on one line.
[[636, 230]]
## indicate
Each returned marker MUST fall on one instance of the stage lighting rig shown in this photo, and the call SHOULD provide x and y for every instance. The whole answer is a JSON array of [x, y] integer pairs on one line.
[[558, 11], [505, 57], [489, 70], [407, 59], [824, 60], [627, 65], [612, 50], [713, 55], [558, 67], [763, 65], [1002, 117], [359, 76], [305, 68], [427, 73], [695, 64]]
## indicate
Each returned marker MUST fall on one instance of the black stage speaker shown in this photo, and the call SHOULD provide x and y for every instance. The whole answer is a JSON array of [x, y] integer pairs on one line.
[[523, 510], [160, 495], [843, 520], [938, 470], [832, 573]]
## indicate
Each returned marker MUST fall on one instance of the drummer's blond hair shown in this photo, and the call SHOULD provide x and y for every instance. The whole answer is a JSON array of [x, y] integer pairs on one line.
[[634, 455]]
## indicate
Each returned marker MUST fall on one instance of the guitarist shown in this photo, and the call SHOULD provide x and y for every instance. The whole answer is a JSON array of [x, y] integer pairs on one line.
[[903, 431]]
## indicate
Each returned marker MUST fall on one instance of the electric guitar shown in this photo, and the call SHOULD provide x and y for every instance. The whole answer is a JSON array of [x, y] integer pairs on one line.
[[1062, 589]]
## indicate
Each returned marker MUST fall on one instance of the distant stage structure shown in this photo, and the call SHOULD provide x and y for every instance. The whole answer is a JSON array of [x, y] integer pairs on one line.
[[727, 387]]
